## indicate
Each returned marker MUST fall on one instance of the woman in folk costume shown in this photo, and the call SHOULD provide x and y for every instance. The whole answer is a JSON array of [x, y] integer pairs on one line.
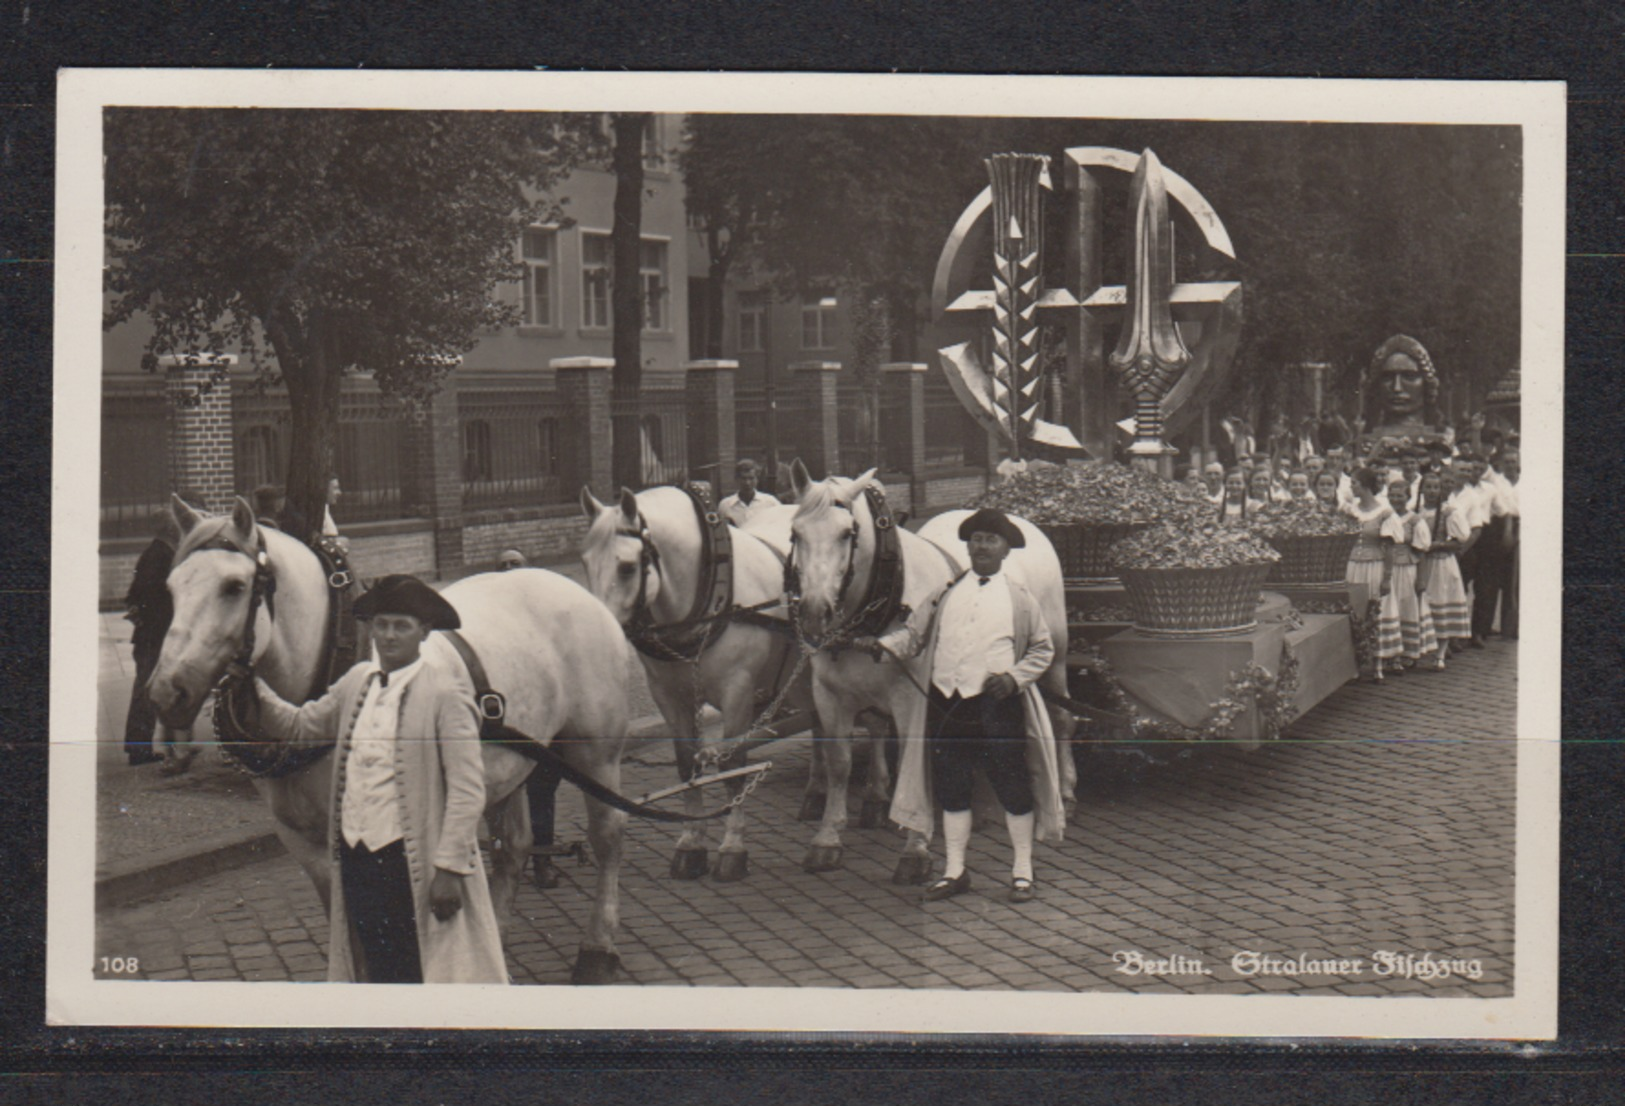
[[986, 645], [410, 904], [1443, 590], [1368, 561], [1405, 628]]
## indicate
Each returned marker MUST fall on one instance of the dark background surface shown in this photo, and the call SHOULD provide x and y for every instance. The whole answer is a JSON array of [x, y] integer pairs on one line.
[[1576, 42]]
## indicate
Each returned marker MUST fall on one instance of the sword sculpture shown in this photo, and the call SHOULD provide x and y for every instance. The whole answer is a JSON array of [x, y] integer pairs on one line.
[[1150, 353]]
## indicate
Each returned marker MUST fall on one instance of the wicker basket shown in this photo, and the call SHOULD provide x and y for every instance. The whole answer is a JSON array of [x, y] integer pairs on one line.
[[1195, 602], [1083, 546], [1320, 559]]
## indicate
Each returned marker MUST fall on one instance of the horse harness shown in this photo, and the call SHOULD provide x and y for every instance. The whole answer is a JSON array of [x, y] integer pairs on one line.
[[713, 607], [236, 701], [882, 602]]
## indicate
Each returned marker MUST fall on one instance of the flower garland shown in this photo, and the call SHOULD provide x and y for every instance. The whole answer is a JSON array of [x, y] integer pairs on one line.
[[1275, 696]]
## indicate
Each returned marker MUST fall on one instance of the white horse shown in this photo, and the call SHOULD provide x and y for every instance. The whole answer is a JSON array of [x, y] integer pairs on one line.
[[835, 547], [643, 557], [550, 648]]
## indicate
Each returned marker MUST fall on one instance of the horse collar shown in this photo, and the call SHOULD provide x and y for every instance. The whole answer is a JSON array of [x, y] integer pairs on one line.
[[713, 592]]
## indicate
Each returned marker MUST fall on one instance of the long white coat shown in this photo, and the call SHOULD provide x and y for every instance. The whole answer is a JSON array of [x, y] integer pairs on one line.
[[912, 804], [440, 784]]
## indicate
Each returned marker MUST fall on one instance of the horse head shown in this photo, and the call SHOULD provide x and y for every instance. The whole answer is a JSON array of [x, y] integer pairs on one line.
[[621, 563], [833, 541], [212, 584]]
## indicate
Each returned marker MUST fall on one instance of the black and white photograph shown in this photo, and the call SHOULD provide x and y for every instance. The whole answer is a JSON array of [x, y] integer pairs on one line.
[[988, 555]]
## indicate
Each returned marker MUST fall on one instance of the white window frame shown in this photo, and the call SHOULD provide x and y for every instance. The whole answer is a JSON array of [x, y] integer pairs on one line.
[[549, 265], [587, 320], [661, 300], [820, 311]]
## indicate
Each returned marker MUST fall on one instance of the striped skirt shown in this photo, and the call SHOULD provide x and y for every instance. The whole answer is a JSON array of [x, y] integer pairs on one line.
[[1405, 626], [1447, 597]]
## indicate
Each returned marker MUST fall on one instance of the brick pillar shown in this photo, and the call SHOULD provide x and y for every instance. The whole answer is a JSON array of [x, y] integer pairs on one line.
[[816, 384], [903, 383], [199, 427], [586, 452], [712, 451], [435, 474]]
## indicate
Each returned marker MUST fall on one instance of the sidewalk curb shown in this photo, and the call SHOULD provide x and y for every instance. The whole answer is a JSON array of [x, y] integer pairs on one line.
[[127, 881], [124, 882]]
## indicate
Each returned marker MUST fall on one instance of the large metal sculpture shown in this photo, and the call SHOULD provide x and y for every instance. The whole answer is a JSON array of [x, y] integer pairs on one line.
[[1162, 318]]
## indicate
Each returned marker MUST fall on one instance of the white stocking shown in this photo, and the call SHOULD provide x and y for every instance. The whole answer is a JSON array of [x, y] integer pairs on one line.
[[956, 835], [1021, 836]]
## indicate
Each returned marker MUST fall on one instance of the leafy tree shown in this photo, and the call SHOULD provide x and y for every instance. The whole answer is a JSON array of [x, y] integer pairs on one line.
[[317, 243], [718, 159]]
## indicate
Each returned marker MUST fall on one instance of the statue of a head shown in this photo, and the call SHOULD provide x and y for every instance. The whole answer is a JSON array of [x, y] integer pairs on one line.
[[1402, 386]]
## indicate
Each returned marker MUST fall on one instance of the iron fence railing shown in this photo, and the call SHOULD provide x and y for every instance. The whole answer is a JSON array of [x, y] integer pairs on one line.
[[512, 436], [135, 482]]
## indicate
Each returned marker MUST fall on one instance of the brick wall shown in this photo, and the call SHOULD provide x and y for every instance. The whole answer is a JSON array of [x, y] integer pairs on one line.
[[397, 550], [946, 492], [542, 536]]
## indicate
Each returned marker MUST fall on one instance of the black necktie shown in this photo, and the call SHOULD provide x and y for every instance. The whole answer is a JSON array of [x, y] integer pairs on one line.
[[981, 581], [383, 678]]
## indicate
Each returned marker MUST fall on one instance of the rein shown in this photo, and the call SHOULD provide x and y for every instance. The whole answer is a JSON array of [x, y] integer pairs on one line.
[[495, 729]]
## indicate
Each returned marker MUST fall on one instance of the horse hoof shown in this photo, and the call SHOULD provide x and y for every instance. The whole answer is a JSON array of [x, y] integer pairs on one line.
[[689, 864], [812, 808], [912, 869], [595, 967], [823, 858], [873, 814], [732, 866]]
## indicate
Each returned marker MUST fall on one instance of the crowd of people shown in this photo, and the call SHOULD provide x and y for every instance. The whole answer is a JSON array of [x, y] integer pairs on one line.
[[1438, 542]]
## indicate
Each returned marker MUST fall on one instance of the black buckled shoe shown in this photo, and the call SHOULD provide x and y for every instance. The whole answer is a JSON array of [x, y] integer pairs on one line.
[[946, 888], [1023, 890]]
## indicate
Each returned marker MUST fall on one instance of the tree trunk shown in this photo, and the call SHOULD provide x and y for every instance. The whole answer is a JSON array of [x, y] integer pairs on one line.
[[626, 295], [716, 289], [313, 396]]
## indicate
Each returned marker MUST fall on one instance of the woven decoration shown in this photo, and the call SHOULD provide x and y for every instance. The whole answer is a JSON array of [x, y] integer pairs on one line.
[[1195, 602]]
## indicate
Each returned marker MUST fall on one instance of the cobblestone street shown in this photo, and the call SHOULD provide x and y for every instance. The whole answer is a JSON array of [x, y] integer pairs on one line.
[[1384, 822]]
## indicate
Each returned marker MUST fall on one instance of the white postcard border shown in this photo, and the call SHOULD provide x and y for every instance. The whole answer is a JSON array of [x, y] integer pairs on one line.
[[74, 997]]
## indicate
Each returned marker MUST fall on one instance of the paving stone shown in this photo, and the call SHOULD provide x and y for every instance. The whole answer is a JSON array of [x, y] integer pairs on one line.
[[1333, 843]]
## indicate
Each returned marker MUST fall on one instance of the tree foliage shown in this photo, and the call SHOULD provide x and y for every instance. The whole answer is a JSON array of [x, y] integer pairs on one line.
[[1345, 234], [316, 243]]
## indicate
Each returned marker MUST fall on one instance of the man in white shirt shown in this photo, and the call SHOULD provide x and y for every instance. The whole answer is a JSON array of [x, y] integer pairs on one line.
[[987, 641], [1497, 581], [1472, 499], [747, 501]]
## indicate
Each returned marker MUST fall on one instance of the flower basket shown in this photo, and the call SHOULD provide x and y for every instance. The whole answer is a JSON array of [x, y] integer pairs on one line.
[[1195, 602], [1312, 559], [1084, 547]]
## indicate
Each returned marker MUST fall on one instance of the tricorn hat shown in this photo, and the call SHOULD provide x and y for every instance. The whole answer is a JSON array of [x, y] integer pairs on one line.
[[990, 520], [400, 594]]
